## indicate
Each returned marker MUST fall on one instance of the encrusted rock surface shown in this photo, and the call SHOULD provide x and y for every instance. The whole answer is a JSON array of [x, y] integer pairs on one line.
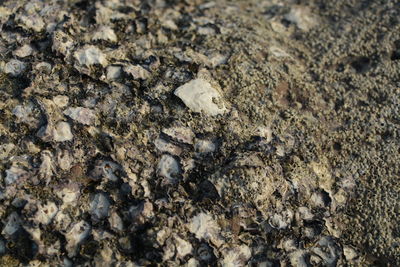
[[199, 133]]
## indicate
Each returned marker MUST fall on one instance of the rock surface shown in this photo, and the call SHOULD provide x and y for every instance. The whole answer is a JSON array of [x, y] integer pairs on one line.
[[199, 133]]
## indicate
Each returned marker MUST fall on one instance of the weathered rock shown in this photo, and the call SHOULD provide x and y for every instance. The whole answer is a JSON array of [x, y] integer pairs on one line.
[[279, 133]]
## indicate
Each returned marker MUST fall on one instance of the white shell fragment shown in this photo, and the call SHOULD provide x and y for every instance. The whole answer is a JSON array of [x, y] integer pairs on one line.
[[62, 221], [44, 67], [99, 207], [32, 22], [15, 67], [82, 115], [69, 194], [192, 263], [183, 247], [168, 167], [282, 220], [62, 132], [14, 173], [203, 147], [180, 134], [12, 226], [46, 213], [61, 100], [90, 55], [327, 250], [62, 43], [205, 227], [113, 72], [165, 146], [349, 253], [25, 113], [24, 51], [116, 222], [298, 258], [199, 96], [105, 170], [302, 17], [46, 167], [79, 232], [137, 72], [105, 33], [237, 256], [5, 150]]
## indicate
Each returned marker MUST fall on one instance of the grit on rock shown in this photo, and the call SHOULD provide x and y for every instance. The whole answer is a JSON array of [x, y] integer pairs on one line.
[[199, 133]]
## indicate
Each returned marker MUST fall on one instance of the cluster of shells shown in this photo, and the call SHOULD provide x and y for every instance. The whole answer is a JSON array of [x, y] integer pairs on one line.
[[114, 149]]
